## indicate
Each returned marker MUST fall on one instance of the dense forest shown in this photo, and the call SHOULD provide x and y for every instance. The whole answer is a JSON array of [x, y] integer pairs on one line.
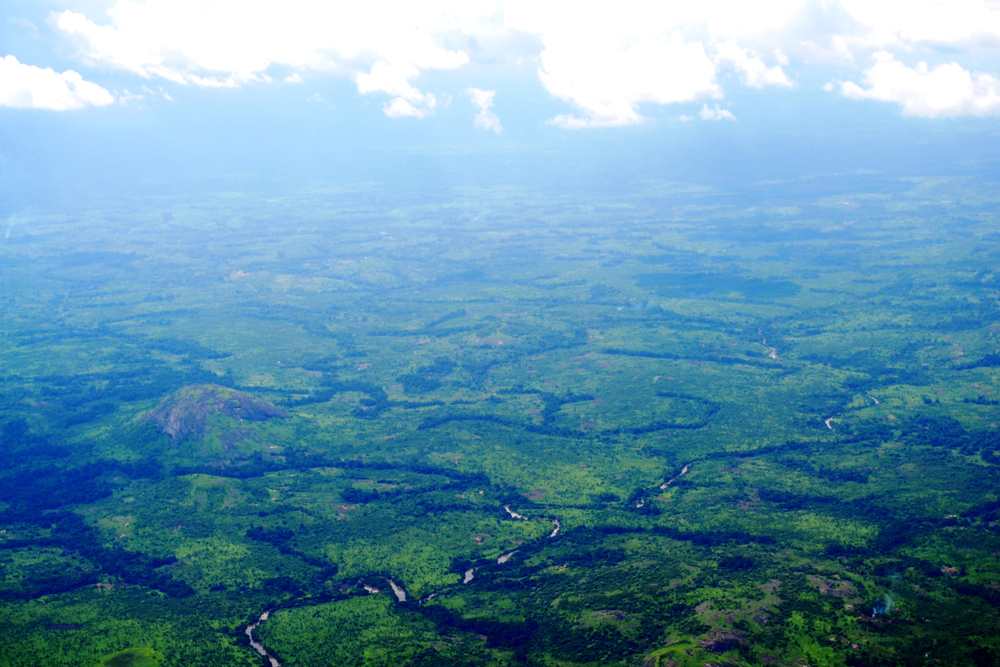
[[667, 430]]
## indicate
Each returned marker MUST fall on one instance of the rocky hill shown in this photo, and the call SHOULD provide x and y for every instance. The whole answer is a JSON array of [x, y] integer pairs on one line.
[[186, 411]]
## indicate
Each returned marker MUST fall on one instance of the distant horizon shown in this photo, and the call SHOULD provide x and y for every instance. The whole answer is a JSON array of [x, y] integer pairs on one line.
[[96, 96]]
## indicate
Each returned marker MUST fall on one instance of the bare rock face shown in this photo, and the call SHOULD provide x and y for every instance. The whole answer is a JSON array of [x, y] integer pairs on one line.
[[186, 411], [720, 641]]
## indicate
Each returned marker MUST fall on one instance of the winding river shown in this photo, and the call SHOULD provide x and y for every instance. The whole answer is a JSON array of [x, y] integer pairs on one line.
[[257, 646], [399, 591]]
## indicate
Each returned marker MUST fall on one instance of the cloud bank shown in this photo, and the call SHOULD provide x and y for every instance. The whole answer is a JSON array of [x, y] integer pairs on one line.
[[607, 61], [29, 87], [947, 90], [229, 43]]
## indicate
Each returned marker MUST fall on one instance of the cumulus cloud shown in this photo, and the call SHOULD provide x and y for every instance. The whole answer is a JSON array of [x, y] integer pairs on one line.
[[752, 69], [715, 113], [947, 90], [229, 43], [610, 83], [394, 80], [605, 60], [591, 57], [486, 118], [29, 87]]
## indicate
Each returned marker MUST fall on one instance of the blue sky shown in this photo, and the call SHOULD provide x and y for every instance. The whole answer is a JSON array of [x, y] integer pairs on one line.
[[102, 93]]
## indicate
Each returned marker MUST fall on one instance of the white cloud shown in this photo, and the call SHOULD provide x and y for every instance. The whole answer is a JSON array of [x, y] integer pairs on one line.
[[605, 60], [399, 107], [128, 98], [608, 82], [752, 69], [947, 90], [486, 118], [29, 87], [229, 43], [715, 113], [394, 80]]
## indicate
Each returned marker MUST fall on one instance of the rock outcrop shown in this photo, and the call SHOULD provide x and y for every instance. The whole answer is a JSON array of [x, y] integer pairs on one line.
[[186, 411]]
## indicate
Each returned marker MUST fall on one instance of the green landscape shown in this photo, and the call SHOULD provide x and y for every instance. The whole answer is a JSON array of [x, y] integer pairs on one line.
[[449, 428]]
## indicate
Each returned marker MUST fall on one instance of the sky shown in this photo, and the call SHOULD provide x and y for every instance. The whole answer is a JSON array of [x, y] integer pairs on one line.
[[96, 93]]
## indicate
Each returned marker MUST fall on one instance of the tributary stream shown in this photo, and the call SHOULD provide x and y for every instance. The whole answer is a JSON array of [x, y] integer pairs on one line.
[[399, 591]]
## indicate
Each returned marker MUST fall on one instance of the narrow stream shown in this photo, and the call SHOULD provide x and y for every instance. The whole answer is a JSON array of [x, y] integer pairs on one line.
[[773, 351], [513, 514], [257, 646], [672, 479]]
